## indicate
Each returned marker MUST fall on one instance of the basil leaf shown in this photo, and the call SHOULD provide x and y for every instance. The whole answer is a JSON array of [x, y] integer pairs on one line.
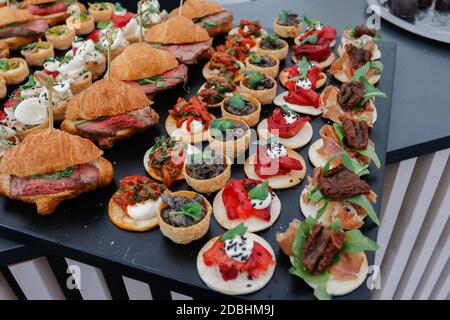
[[209, 24], [370, 153], [355, 241], [312, 39], [239, 230], [304, 66], [310, 22], [103, 24], [222, 124], [364, 203], [255, 58], [191, 209], [282, 17], [237, 102], [260, 191], [254, 78]]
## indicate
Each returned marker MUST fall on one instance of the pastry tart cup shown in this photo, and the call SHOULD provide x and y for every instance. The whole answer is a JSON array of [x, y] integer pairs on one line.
[[185, 235], [3, 89], [300, 139], [234, 148], [268, 71], [16, 75], [322, 65], [343, 71], [284, 78], [81, 27], [210, 275], [63, 41], [280, 54], [82, 84], [192, 138], [251, 119], [209, 186], [209, 73], [253, 224], [265, 96], [38, 58], [97, 69], [4, 50], [286, 31], [102, 15], [293, 178]]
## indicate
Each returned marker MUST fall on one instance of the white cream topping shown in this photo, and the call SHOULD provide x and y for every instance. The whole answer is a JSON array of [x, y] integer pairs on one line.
[[117, 37], [132, 28], [276, 150], [262, 204], [239, 248], [89, 53], [31, 112], [144, 210], [290, 117], [304, 84], [196, 126], [51, 65]]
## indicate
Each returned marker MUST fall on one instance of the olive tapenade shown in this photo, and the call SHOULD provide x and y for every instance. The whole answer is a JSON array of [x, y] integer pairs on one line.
[[262, 61], [259, 81], [183, 212], [286, 18], [271, 43], [206, 167], [227, 130]]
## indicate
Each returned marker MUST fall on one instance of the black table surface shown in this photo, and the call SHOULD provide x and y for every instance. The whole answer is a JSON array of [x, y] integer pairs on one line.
[[80, 228], [420, 118]]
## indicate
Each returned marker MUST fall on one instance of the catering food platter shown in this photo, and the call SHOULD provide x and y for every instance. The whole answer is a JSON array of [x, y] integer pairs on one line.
[[81, 228], [428, 22]]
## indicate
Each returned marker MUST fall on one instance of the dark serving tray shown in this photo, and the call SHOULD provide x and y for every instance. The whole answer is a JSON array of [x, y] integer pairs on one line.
[[80, 228], [428, 23]]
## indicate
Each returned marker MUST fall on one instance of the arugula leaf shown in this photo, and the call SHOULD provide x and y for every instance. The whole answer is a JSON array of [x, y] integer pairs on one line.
[[222, 124], [364, 203], [315, 195], [260, 191], [355, 241], [339, 129], [237, 101], [336, 225], [191, 209], [378, 36], [370, 92], [29, 84], [377, 65], [209, 24], [312, 39], [298, 269], [103, 24], [370, 153], [361, 72], [351, 30], [239, 230], [321, 211], [348, 162]]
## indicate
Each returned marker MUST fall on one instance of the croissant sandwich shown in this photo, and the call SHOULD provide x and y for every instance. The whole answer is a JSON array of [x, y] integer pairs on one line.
[[149, 69], [51, 166], [187, 41], [208, 15], [109, 111], [53, 11], [19, 27]]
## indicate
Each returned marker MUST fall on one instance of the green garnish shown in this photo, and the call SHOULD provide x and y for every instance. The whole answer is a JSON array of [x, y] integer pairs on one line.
[[103, 24], [355, 241], [348, 162], [364, 203], [282, 17], [118, 7], [29, 84], [271, 38], [255, 58], [209, 24], [254, 78], [312, 39], [191, 209], [200, 157], [239, 230], [4, 65], [222, 124], [81, 121], [312, 23], [67, 172], [260, 191], [237, 101], [56, 31]]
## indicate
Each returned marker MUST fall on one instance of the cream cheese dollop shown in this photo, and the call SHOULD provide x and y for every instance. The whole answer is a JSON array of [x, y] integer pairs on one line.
[[119, 40], [262, 204], [144, 210], [196, 126], [276, 150], [31, 112], [290, 117], [239, 248], [304, 84]]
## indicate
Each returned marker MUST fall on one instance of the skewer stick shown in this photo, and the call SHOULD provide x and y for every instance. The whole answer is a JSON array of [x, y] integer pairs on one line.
[[140, 13], [110, 41], [181, 6], [49, 85]]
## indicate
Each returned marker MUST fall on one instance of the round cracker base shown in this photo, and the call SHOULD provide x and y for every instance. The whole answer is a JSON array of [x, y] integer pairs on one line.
[[124, 221], [253, 224], [342, 287], [302, 138], [317, 159], [212, 278], [293, 178], [284, 79]]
